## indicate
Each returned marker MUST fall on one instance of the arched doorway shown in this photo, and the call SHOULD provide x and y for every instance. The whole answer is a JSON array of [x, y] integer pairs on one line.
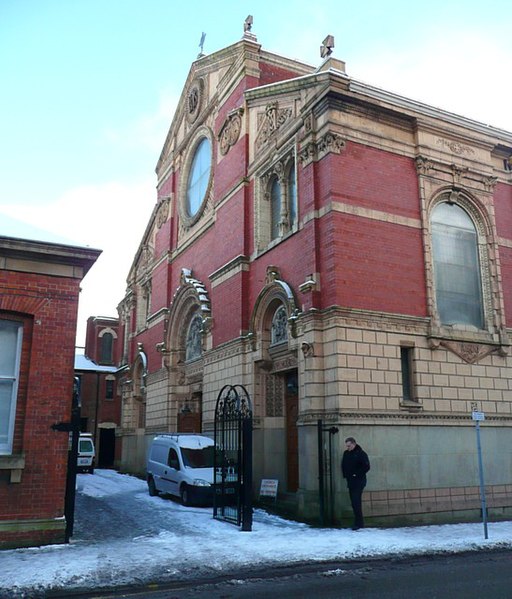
[[188, 338], [277, 379]]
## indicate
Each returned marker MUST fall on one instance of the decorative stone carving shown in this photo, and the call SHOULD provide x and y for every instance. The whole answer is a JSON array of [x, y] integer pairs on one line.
[[285, 363], [272, 275], [308, 350], [230, 130], [328, 143], [279, 328], [458, 173], [489, 183], [194, 100], [307, 153], [146, 256], [423, 165], [270, 121], [455, 147], [162, 211], [308, 123], [469, 352]]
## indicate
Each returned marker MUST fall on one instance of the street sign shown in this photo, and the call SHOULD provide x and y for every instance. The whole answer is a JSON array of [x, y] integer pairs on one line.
[[478, 416]]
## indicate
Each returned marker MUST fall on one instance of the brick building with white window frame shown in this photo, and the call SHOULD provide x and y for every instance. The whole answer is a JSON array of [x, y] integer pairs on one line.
[[347, 256], [39, 289]]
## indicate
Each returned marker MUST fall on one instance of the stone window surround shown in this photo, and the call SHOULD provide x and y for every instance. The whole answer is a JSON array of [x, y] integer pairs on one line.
[[467, 202], [280, 169], [186, 220]]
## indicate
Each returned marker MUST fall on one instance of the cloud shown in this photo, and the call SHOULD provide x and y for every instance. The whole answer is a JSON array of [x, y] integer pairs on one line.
[[111, 217], [149, 130], [457, 71]]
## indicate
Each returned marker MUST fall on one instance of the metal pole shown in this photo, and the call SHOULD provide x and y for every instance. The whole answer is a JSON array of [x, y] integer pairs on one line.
[[247, 469], [482, 485], [331, 482], [320, 474]]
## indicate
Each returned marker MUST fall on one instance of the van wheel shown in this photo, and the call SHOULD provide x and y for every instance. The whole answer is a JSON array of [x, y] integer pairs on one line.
[[153, 491], [185, 499], [91, 470]]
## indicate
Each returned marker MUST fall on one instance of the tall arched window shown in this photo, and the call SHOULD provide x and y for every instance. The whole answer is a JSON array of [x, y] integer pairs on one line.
[[275, 208], [457, 274], [198, 177], [107, 344], [292, 196]]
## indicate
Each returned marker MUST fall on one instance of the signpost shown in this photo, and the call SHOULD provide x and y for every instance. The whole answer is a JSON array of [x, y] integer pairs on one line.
[[480, 417]]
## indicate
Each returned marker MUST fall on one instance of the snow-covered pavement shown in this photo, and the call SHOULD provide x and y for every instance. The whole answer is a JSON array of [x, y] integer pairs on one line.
[[123, 536]]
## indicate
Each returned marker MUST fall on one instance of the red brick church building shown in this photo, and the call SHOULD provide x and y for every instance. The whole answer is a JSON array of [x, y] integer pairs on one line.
[[343, 252]]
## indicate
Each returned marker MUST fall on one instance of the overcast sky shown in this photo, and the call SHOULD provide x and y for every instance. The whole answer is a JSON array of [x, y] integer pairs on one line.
[[89, 88]]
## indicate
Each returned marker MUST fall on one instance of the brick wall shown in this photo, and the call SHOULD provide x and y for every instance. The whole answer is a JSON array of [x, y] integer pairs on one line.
[[47, 306]]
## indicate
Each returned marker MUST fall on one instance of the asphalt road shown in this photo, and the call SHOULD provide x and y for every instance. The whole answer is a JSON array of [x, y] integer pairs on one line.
[[465, 576]]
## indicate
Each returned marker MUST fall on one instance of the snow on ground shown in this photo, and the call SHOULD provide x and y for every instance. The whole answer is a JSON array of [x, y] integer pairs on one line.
[[123, 536]]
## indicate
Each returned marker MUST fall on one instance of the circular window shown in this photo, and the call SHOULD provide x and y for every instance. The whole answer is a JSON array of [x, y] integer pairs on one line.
[[199, 177]]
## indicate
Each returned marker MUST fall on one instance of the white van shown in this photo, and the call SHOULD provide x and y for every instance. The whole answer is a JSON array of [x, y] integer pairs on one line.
[[181, 464], [86, 453]]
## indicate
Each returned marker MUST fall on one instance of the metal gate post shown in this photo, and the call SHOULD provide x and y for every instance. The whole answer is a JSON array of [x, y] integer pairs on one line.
[[247, 476]]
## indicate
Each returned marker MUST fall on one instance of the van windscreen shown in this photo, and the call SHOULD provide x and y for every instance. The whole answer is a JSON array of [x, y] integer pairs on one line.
[[85, 446], [198, 458]]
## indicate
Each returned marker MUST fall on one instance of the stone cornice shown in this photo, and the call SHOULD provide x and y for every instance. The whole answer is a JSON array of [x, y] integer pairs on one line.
[[401, 418]]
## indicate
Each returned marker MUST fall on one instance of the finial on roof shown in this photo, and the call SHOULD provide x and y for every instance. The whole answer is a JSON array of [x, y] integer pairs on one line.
[[247, 29], [327, 46], [201, 44]]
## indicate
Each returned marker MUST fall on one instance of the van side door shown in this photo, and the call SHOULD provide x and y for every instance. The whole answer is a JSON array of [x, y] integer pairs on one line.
[[172, 473]]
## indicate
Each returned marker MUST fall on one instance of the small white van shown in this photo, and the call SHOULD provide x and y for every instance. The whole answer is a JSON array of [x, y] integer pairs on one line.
[[86, 453], [181, 464]]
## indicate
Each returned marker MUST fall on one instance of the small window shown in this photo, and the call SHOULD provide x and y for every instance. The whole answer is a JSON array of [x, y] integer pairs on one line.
[[10, 356], [109, 389], [406, 359], [199, 177]]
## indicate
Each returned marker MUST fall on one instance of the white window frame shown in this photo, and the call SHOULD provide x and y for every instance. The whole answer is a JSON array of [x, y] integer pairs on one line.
[[6, 447]]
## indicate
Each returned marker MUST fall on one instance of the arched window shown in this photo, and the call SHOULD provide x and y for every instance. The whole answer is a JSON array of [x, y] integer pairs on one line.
[[279, 329], [457, 276], [199, 176], [193, 343], [275, 208], [292, 196], [107, 342]]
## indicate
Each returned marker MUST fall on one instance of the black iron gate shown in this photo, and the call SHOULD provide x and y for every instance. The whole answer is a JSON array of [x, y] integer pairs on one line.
[[233, 457], [326, 473]]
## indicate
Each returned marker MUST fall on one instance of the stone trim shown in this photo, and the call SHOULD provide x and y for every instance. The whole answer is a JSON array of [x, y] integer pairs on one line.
[[14, 463], [310, 418], [230, 269]]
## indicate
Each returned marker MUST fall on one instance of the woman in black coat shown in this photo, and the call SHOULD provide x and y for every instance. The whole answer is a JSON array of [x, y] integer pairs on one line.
[[354, 466]]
